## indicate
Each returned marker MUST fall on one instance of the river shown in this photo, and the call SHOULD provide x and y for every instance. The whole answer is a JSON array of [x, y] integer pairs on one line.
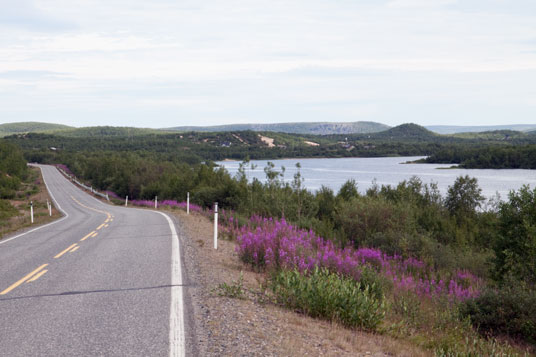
[[333, 173]]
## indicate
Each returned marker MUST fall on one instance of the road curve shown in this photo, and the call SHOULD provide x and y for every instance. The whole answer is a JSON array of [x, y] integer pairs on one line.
[[102, 281]]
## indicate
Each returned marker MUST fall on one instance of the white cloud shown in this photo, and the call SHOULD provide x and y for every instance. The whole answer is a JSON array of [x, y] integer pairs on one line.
[[420, 3], [309, 59]]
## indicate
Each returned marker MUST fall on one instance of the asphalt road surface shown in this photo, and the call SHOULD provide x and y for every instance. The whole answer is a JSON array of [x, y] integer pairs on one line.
[[102, 281]]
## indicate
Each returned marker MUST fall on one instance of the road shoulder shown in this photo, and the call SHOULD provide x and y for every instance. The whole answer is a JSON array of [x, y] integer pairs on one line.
[[35, 191], [227, 326]]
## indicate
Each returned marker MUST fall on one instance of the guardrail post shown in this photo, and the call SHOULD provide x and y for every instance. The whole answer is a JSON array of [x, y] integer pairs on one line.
[[188, 203], [216, 225], [31, 212]]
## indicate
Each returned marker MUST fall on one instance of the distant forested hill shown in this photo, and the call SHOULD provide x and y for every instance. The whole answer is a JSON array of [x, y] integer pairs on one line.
[[454, 129], [29, 127], [295, 128], [107, 131]]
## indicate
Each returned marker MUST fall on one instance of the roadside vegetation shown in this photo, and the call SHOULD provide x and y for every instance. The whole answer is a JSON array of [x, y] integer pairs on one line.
[[20, 185], [452, 274]]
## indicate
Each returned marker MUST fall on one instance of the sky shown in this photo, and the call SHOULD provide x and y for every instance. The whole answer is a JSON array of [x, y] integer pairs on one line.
[[170, 63]]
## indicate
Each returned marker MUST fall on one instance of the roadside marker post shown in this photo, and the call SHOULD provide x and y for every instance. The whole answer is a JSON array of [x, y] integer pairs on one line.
[[155, 202], [31, 212], [49, 205], [188, 203], [216, 225], [126, 201]]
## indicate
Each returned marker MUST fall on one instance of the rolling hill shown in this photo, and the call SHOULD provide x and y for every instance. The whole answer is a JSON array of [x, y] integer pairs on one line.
[[30, 127], [320, 128], [407, 131], [108, 131], [455, 129]]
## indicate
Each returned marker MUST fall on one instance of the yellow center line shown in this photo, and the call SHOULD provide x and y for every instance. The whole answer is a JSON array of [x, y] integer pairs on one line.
[[99, 227], [65, 251], [94, 234], [74, 249], [37, 276], [105, 226], [86, 237], [23, 280], [91, 208]]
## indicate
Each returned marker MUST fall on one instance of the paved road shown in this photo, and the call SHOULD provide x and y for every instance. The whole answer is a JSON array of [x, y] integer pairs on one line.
[[102, 281]]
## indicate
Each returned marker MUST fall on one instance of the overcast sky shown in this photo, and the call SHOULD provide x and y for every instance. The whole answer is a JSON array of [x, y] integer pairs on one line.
[[169, 63]]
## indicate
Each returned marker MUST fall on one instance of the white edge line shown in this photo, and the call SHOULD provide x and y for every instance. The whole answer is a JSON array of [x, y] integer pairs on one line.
[[176, 313], [66, 215]]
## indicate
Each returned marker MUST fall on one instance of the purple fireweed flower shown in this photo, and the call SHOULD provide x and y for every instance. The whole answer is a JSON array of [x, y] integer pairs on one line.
[[275, 244]]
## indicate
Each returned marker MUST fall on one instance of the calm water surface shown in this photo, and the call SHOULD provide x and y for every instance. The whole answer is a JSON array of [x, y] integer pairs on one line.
[[334, 173]]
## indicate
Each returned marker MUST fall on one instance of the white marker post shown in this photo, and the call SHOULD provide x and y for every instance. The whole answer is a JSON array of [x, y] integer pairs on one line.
[[49, 204], [31, 212], [155, 202], [188, 203], [126, 201], [216, 225]]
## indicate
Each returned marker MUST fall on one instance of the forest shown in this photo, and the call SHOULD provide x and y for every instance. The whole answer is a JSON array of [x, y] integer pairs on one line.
[[490, 157]]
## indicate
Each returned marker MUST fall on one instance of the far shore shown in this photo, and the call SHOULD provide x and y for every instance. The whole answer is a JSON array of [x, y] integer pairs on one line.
[[311, 158]]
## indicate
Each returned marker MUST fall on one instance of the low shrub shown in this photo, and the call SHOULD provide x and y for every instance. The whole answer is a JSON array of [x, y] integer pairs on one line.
[[7, 210], [234, 290], [327, 295], [510, 310]]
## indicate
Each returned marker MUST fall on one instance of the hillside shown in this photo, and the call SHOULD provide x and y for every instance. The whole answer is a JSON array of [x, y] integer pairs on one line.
[[294, 128], [493, 135], [454, 129], [29, 127], [403, 133], [107, 131]]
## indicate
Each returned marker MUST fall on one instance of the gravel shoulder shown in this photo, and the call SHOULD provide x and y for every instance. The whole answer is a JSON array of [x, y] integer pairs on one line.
[[252, 326]]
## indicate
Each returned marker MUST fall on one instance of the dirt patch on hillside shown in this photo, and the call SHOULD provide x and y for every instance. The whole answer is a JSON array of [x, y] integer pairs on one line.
[[252, 326], [311, 143], [268, 141]]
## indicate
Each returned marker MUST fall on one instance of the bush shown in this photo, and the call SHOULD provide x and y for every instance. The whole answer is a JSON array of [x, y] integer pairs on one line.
[[365, 216], [8, 186], [328, 295], [7, 210], [510, 310], [515, 246]]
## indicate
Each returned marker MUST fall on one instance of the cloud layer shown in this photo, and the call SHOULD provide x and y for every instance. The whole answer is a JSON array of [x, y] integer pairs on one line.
[[168, 63]]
